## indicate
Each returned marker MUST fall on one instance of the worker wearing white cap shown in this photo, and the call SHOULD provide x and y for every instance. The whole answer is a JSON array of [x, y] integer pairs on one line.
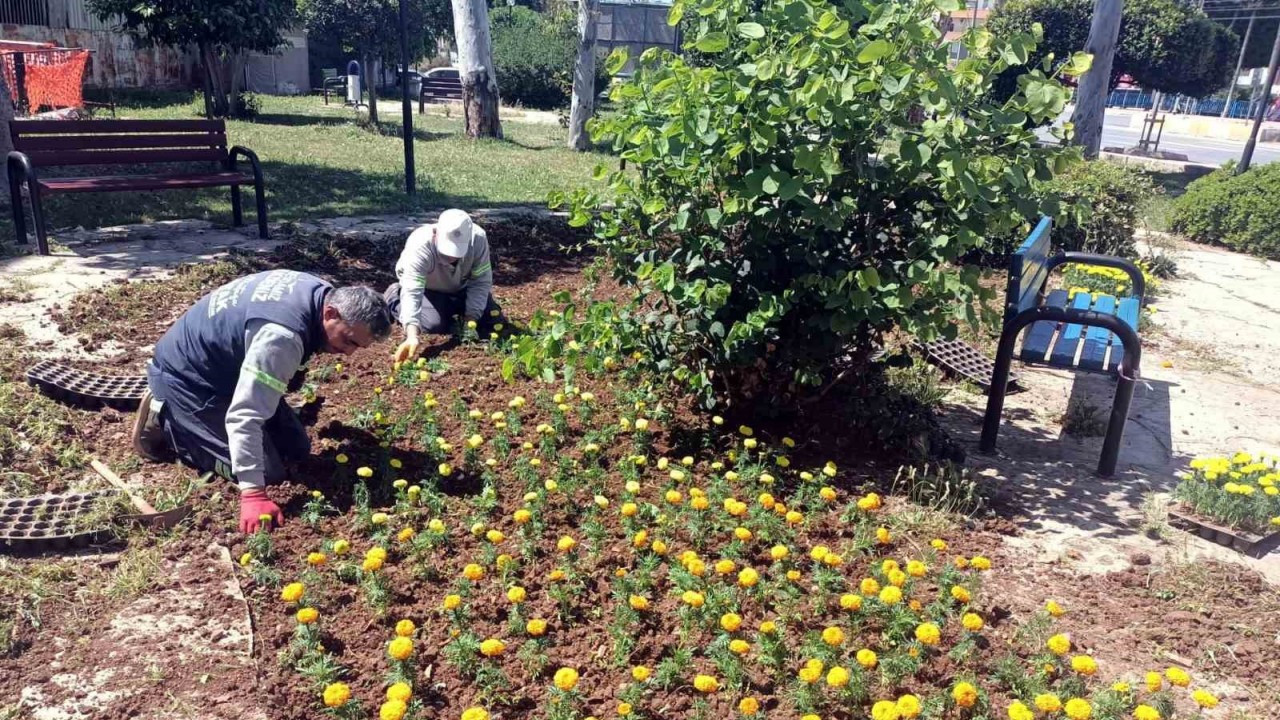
[[443, 272]]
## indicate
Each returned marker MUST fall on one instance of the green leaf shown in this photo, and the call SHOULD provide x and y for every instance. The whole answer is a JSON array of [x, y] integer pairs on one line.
[[616, 60], [675, 14], [874, 50], [712, 42], [868, 278], [1078, 65], [751, 30]]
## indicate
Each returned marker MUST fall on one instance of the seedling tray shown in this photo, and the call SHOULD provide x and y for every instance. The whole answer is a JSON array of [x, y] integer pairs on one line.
[[1243, 542], [960, 359], [47, 523], [87, 389]]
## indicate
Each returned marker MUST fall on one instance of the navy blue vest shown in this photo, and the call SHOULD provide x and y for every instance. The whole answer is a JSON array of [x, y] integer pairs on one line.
[[200, 356]]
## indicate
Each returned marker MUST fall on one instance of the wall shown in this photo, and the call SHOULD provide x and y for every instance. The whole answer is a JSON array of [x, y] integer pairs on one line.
[[635, 26], [114, 61]]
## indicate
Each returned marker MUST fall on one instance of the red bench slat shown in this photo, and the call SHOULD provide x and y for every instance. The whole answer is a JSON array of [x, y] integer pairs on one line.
[[124, 157], [112, 183], [44, 143], [19, 128]]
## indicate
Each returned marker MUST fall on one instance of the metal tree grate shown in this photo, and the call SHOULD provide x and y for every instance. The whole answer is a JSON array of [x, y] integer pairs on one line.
[[91, 390], [961, 359]]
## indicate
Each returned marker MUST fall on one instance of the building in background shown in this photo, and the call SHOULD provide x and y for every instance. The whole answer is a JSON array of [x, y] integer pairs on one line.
[[115, 61], [974, 14]]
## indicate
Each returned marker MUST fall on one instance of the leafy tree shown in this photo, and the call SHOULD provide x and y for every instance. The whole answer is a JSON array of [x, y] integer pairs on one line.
[[1164, 45], [370, 29], [808, 187], [222, 31]]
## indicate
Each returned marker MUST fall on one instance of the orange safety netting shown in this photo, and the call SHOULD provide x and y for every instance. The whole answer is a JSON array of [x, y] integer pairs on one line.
[[54, 78]]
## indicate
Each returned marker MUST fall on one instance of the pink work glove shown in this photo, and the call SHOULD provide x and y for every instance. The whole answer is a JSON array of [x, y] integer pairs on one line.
[[253, 505]]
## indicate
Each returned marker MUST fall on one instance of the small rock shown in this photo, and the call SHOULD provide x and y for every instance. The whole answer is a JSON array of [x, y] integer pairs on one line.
[[1140, 559], [1181, 616]]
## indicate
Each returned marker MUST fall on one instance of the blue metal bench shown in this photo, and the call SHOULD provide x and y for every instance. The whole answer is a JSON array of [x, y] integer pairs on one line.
[[1092, 334]]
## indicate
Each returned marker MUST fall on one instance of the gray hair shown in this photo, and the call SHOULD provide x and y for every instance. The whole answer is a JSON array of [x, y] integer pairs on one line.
[[360, 305]]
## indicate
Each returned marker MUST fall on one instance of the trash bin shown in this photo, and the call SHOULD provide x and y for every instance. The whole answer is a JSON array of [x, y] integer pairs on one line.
[[353, 82], [415, 86]]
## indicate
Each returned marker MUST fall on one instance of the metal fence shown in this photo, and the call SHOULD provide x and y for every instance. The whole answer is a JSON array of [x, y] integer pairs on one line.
[[1141, 99], [636, 27], [24, 12], [59, 14]]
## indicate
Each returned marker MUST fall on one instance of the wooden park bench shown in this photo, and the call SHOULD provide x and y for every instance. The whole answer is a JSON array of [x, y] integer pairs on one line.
[[439, 89], [1090, 333], [40, 144]]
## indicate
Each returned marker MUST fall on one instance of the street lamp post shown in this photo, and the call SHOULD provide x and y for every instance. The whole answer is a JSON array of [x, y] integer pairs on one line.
[[406, 127]]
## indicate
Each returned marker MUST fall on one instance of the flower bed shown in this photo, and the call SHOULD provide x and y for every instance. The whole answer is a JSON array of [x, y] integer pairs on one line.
[[1239, 492], [564, 555]]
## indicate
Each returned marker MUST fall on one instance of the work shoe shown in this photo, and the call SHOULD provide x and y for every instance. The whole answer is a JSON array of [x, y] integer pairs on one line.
[[149, 439]]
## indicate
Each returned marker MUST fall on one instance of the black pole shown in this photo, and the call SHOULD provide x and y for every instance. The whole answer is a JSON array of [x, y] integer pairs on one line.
[[1247, 156], [406, 127]]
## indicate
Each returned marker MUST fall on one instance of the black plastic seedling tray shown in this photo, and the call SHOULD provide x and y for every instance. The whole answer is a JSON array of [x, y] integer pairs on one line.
[[1247, 543], [86, 389], [46, 523]]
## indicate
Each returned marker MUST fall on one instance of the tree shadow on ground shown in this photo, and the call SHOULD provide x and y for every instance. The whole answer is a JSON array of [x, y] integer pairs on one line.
[[1045, 478]]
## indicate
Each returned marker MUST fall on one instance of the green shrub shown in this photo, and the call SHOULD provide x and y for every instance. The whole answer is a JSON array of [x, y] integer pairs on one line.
[[1238, 211], [534, 55], [808, 186]]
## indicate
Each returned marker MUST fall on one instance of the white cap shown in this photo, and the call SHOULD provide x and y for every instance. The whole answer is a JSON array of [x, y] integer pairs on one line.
[[453, 233]]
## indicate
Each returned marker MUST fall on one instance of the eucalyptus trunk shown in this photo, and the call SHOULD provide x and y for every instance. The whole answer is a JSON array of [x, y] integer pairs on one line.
[[475, 67], [1091, 97], [584, 77]]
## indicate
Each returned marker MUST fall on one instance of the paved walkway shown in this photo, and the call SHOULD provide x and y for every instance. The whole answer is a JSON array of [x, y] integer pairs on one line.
[[1211, 385]]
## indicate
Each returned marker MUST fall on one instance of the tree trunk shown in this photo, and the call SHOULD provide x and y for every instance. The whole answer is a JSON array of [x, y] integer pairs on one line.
[[6, 144], [475, 66], [1091, 96], [371, 79], [236, 61], [213, 71], [584, 77]]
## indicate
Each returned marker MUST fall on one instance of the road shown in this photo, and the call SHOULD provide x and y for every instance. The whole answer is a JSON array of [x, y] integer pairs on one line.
[[1209, 151]]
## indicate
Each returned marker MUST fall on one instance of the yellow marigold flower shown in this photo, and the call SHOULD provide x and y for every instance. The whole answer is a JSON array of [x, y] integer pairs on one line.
[[794, 517], [768, 627], [699, 503], [1121, 687], [742, 533], [1145, 712], [436, 525], [566, 543], [828, 493], [696, 567], [980, 563], [557, 575], [750, 443], [869, 586], [445, 469], [475, 713], [341, 547], [536, 627], [837, 677], [405, 628], [364, 472], [928, 633], [1205, 699], [624, 709], [819, 552], [307, 615], [897, 578], [965, 694], [891, 595], [832, 636], [673, 497], [917, 569], [640, 673], [292, 592], [811, 672], [1048, 702], [706, 684], [492, 647], [866, 658], [566, 679], [885, 710], [972, 622], [748, 577], [245, 559], [739, 646], [522, 516], [517, 594], [1054, 609], [1153, 681], [779, 552], [400, 648], [405, 535], [731, 622], [1078, 709], [793, 575], [336, 695], [640, 539], [869, 502], [372, 563], [399, 691], [961, 562], [692, 598], [850, 601], [659, 547], [1177, 677], [1084, 665], [882, 535], [748, 706], [908, 706], [724, 567], [1018, 711], [1059, 644], [376, 552], [452, 602], [641, 424], [638, 602], [473, 572], [629, 509], [316, 558]]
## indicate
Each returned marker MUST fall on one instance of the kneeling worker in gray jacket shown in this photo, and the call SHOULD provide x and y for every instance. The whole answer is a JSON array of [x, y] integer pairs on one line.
[[443, 272]]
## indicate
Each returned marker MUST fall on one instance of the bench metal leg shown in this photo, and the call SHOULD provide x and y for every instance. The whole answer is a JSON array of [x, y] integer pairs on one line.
[[1115, 427], [37, 217], [19, 214], [237, 215], [260, 197], [999, 386]]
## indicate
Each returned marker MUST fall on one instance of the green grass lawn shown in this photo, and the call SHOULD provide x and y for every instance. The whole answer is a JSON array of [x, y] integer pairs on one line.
[[320, 162]]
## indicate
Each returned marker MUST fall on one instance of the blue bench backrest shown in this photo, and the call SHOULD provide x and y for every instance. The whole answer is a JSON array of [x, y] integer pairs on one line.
[[1028, 269]]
